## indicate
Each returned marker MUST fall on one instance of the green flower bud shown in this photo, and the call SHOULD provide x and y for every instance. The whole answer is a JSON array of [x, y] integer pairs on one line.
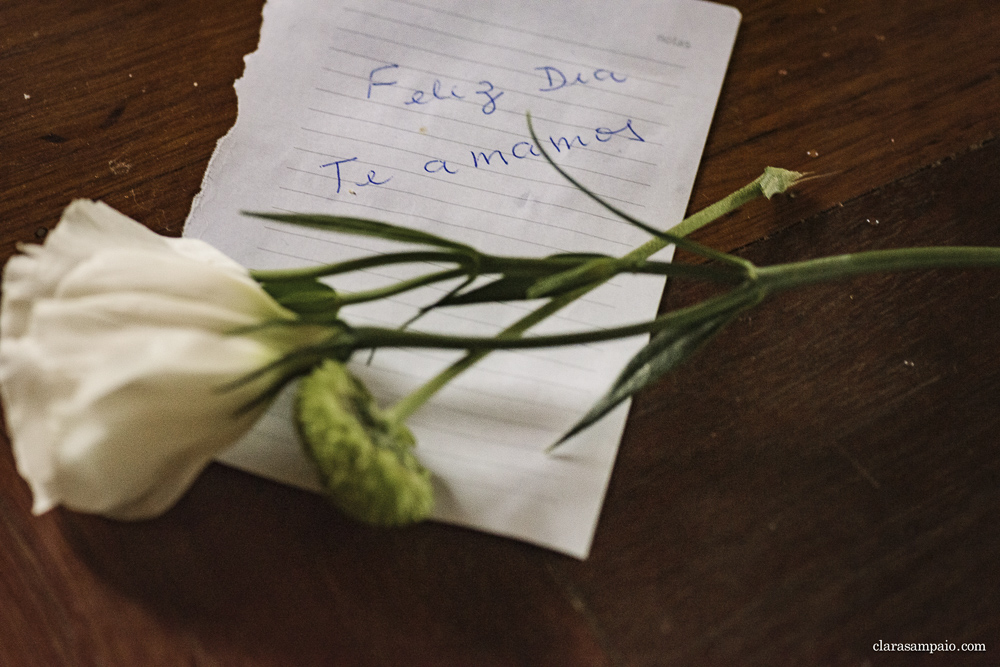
[[364, 458]]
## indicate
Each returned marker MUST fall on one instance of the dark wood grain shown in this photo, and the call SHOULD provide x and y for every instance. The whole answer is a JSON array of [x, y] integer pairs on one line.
[[823, 476], [826, 473], [121, 103], [244, 572], [874, 90]]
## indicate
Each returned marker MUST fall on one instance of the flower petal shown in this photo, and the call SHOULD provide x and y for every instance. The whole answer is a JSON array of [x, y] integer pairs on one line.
[[115, 347], [113, 431], [118, 270]]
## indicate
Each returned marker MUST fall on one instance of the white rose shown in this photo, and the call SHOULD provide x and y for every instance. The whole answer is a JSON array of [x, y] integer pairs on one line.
[[115, 344]]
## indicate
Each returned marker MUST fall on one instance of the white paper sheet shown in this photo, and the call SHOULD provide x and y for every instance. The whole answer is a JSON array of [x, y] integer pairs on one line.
[[413, 112]]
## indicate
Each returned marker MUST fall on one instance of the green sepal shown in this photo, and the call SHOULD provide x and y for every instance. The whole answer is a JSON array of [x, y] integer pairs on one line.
[[365, 460], [303, 295]]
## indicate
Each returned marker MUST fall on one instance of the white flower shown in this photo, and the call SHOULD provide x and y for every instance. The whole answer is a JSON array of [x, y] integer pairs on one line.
[[115, 343]]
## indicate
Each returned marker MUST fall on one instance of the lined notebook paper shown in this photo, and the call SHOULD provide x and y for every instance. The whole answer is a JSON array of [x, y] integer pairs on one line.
[[413, 112]]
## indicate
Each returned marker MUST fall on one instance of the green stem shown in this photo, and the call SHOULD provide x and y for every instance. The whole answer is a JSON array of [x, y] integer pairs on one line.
[[264, 275], [489, 264], [762, 186], [768, 280], [771, 279], [771, 182], [412, 401], [547, 266], [399, 288], [665, 238], [377, 337], [840, 267]]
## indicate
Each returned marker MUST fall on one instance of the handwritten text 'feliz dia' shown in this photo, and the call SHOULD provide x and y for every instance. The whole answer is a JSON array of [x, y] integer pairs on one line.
[[484, 93]]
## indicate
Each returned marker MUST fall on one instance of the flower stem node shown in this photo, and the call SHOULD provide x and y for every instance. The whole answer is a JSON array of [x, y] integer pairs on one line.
[[364, 457], [776, 180]]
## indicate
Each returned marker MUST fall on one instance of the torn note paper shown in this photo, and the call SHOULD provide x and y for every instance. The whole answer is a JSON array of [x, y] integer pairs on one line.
[[413, 112]]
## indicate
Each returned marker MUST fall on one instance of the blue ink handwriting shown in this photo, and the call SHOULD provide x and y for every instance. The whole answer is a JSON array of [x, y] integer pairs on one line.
[[370, 178], [601, 134], [418, 95], [434, 166], [491, 104], [557, 79], [604, 134], [525, 149], [437, 92], [496, 158], [520, 150], [372, 82]]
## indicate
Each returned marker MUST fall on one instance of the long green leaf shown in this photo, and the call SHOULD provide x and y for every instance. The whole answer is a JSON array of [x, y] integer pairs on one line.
[[507, 288], [664, 352], [594, 271], [365, 227], [502, 289]]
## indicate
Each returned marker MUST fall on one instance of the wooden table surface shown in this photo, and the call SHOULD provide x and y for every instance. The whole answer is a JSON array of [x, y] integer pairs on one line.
[[824, 476]]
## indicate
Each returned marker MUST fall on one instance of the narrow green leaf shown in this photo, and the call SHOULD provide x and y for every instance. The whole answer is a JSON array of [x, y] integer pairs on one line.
[[596, 270], [364, 227], [512, 288], [460, 257], [583, 256], [661, 237], [664, 352], [507, 288], [426, 309]]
